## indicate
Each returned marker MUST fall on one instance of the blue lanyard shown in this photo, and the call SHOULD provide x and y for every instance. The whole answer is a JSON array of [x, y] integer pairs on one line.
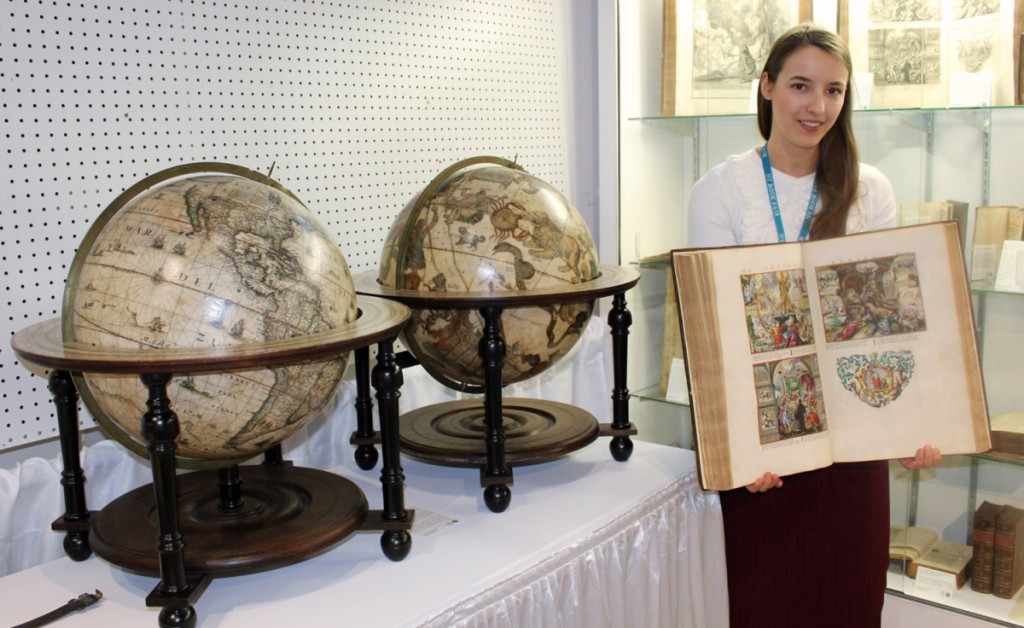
[[774, 200]]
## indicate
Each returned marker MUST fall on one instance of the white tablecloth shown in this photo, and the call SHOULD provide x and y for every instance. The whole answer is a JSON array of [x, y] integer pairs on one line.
[[586, 542]]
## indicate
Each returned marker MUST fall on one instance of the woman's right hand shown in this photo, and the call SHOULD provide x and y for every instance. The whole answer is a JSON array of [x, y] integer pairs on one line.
[[764, 483]]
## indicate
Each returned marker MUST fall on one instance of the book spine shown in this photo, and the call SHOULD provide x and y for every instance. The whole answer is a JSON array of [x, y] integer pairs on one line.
[[1004, 542], [984, 546]]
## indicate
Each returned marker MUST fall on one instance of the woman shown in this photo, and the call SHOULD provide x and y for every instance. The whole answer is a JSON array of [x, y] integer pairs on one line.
[[815, 551]]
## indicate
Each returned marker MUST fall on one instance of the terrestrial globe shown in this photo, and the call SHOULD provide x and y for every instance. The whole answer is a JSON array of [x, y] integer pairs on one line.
[[203, 256], [485, 226]]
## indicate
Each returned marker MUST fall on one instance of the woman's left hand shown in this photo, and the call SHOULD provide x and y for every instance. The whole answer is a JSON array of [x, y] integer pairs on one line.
[[926, 457]]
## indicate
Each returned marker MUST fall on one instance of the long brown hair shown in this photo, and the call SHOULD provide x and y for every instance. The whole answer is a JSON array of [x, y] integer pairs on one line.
[[838, 174]]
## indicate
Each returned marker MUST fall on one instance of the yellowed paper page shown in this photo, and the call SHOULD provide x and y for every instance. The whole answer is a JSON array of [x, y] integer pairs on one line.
[[896, 345]]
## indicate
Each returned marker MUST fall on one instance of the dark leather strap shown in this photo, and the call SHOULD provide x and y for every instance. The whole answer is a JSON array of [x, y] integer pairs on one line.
[[82, 601]]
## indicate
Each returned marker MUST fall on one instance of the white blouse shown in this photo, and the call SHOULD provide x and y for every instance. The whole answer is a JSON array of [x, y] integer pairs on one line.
[[730, 206]]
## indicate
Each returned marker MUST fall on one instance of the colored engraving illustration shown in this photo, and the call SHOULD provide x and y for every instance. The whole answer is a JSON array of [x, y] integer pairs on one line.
[[870, 298], [789, 403], [775, 305], [877, 379]]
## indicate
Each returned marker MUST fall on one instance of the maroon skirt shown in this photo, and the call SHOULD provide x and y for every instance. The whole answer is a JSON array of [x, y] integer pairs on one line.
[[812, 553]]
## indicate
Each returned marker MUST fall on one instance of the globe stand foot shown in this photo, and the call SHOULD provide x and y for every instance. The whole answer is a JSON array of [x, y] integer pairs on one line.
[[366, 457], [621, 448], [497, 497], [76, 546], [396, 544], [177, 617]]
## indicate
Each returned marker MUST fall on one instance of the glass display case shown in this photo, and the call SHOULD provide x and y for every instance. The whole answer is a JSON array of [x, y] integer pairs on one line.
[[930, 151]]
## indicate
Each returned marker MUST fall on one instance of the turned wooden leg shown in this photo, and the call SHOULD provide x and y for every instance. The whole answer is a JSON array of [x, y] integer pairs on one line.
[[75, 520], [364, 437], [387, 379], [620, 319], [496, 477], [160, 429]]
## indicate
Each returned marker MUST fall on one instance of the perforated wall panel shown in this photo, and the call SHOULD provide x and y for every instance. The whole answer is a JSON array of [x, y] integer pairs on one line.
[[356, 105]]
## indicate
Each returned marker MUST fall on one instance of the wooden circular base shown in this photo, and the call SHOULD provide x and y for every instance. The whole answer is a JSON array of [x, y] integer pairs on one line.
[[287, 514], [452, 433]]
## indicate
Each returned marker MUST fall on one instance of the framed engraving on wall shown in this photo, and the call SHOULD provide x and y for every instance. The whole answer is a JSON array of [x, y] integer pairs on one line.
[[714, 49], [934, 53], [920, 53]]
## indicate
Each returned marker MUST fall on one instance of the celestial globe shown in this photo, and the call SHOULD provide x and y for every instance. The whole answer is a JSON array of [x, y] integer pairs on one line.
[[199, 256], [485, 226]]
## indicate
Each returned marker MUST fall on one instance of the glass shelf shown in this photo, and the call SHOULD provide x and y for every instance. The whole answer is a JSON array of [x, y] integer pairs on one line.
[[653, 393], [897, 110], [988, 287]]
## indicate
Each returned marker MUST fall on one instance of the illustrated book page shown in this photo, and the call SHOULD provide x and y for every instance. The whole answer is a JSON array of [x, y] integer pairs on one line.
[[853, 348]]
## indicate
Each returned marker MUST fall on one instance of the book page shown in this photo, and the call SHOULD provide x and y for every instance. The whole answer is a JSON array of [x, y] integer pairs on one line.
[[946, 556], [753, 376], [897, 353], [911, 543]]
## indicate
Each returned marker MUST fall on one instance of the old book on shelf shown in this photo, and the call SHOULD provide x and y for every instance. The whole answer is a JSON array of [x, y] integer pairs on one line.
[[961, 213], [947, 557], [921, 213], [803, 354], [1008, 434], [918, 546], [908, 543], [1008, 552], [993, 225], [672, 344], [983, 541]]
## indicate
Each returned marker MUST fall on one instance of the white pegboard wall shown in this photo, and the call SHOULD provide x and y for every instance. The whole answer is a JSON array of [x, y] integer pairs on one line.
[[357, 105]]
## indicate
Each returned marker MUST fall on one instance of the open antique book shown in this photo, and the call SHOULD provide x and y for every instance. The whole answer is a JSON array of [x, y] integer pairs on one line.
[[917, 546], [807, 353]]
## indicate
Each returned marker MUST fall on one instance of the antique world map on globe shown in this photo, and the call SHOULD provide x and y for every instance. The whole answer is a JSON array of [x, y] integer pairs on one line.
[[203, 256], [490, 228]]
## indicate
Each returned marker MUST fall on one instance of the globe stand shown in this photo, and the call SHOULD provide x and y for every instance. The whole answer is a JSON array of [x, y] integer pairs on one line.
[[517, 431], [235, 519]]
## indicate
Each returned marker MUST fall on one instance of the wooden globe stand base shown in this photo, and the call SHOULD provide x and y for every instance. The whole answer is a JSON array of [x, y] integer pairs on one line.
[[426, 433], [535, 431], [237, 520], [189, 528]]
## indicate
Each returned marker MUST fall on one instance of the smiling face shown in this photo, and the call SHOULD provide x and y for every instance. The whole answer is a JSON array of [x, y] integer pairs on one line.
[[806, 100]]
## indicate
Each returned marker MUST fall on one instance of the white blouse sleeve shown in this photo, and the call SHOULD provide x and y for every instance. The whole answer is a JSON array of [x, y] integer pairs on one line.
[[711, 215]]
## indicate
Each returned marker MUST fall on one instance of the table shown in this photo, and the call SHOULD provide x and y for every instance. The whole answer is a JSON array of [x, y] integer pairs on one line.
[[592, 542]]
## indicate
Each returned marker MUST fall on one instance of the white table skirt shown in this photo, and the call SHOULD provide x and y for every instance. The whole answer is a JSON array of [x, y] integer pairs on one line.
[[586, 542]]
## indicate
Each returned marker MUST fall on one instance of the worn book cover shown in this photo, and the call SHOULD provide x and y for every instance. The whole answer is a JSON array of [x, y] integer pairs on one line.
[[803, 354], [1008, 552], [983, 540]]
